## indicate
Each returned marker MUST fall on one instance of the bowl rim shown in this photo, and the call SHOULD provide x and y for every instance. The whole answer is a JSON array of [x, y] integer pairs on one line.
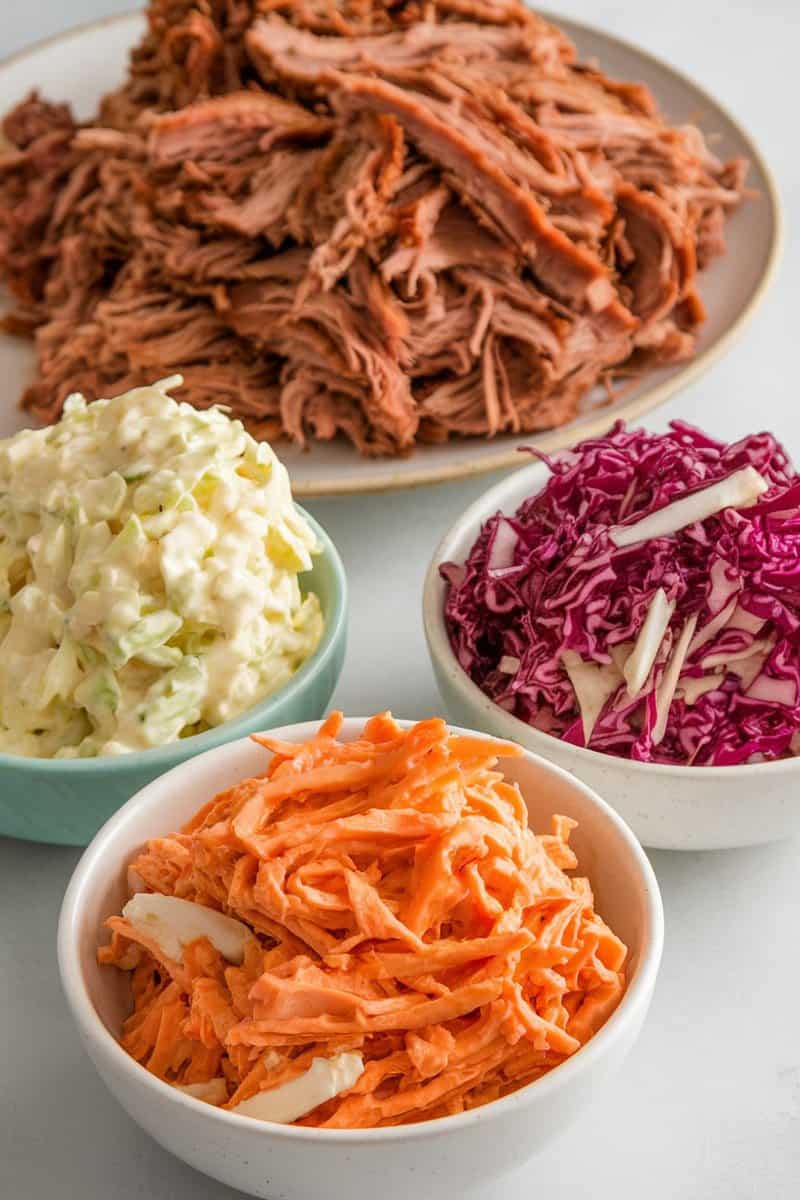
[[165, 755], [635, 998], [499, 498]]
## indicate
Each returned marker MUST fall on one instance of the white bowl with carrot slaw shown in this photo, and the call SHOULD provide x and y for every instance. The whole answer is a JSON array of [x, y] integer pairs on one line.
[[323, 1155], [669, 806]]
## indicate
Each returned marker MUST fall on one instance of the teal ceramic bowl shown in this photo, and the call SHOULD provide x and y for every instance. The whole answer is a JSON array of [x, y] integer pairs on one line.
[[65, 801]]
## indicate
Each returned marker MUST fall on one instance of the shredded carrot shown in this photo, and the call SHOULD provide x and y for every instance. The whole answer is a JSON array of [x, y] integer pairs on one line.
[[400, 907]]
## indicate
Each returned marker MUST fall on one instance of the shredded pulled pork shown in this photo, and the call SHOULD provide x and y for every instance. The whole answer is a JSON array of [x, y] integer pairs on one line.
[[358, 218]]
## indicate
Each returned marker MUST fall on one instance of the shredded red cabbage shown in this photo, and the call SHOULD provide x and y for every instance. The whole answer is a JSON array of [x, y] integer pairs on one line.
[[550, 580]]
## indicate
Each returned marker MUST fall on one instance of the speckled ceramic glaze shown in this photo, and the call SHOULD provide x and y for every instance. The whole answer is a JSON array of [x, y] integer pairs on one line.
[[67, 800], [668, 807], [451, 1157]]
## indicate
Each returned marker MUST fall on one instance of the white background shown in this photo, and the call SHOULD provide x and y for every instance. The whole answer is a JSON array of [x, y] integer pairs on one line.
[[708, 1105]]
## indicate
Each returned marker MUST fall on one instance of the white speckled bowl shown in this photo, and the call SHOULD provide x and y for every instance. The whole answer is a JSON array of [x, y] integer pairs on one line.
[[436, 1160], [671, 808]]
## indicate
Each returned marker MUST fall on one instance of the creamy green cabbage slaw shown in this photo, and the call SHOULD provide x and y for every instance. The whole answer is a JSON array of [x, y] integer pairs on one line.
[[149, 556]]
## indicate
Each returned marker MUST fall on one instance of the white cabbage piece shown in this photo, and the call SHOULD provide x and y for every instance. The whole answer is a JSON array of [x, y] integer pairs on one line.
[[648, 642], [173, 923], [665, 691], [739, 490], [324, 1079], [593, 684], [691, 687]]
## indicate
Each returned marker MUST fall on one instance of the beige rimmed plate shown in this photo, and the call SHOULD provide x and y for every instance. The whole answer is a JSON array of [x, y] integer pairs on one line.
[[82, 65]]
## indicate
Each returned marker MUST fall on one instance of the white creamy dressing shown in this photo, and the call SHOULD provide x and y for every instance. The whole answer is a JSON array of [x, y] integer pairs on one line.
[[149, 556]]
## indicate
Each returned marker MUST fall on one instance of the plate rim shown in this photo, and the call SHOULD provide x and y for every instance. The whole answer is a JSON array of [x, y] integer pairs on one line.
[[594, 425]]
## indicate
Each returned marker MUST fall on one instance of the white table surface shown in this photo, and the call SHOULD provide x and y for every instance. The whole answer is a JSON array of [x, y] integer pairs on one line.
[[708, 1105]]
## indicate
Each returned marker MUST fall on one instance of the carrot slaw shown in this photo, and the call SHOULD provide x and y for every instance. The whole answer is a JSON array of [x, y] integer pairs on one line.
[[397, 907]]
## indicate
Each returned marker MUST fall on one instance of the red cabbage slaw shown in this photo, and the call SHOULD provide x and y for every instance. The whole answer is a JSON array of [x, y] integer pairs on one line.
[[645, 603]]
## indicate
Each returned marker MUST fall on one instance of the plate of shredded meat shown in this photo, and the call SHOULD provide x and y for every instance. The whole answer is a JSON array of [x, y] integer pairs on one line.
[[397, 240]]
